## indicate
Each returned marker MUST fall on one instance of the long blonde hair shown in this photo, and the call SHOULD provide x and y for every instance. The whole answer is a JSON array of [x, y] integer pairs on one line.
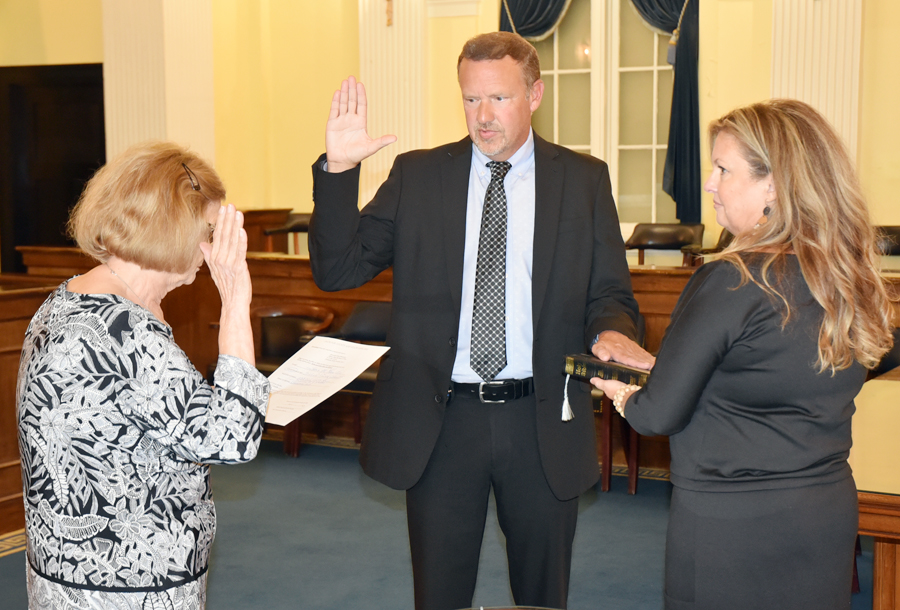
[[820, 215]]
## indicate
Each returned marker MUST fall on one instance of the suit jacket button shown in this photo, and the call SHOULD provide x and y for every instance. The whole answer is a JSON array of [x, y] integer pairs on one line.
[[452, 341], [438, 398]]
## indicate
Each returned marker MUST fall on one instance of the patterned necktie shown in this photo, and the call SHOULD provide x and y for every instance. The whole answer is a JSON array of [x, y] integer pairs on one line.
[[488, 351]]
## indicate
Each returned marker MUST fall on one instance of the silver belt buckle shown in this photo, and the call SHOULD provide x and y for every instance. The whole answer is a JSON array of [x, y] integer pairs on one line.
[[481, 391]]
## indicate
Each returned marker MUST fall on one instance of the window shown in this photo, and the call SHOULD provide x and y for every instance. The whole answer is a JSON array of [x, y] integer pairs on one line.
[[608, 91]]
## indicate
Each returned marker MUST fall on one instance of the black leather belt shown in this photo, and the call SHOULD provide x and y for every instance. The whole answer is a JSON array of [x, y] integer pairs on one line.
[[494, 391]]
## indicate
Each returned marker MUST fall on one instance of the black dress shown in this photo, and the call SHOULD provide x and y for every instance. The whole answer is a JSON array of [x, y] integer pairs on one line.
[[764, 511]]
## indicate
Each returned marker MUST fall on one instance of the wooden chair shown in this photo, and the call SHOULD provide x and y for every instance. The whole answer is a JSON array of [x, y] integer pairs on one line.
[[630, 438], [278, 332], [295, 225], [664, 236]]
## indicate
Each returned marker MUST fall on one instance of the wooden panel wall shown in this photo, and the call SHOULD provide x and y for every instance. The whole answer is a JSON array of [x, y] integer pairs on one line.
[[657, 291], [17, 305]]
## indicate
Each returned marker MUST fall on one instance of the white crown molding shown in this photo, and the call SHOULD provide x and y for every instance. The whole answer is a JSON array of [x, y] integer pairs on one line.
[[453, 8]]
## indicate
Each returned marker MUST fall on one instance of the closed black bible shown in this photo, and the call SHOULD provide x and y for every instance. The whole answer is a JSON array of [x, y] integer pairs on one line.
[[585, 366]]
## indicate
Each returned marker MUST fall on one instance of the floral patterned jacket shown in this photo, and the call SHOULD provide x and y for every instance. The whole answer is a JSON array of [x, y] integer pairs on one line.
[[116, 428]]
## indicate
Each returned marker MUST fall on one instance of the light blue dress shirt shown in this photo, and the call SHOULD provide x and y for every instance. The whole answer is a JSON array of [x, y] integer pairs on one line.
[[519, 185]]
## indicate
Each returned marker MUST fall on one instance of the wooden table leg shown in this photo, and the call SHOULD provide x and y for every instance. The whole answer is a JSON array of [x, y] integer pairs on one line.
[[631, 444], [291, 443], [606, 409], [886, 575]]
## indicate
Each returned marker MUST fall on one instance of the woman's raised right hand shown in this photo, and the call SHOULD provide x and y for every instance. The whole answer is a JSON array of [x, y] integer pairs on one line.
[[226, 258]]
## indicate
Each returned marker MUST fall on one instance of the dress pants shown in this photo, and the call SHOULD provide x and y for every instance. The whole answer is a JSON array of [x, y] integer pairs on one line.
[[484, 445]]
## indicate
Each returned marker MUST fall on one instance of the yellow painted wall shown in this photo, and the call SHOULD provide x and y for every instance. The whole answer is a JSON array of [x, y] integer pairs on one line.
[[735, 69], [276, 64], [446, 121], [879, 127], [45, 32], [446, 36], [276, 67]]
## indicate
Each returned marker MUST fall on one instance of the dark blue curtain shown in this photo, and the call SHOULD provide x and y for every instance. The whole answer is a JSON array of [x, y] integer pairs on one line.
[[533, 19], [661, 14], [681, 177]]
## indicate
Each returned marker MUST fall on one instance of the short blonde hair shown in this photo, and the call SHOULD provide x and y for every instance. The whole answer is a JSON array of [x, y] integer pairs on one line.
[[143, 207], [820, 214]]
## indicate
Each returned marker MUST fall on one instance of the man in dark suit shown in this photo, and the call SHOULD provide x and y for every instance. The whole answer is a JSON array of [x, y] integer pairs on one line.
[[507, 255]]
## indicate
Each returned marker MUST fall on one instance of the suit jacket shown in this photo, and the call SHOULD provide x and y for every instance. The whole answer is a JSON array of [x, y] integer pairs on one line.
[[417, 223]]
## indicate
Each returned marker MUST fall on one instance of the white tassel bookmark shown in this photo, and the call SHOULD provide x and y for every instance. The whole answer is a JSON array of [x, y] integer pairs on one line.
[[567, 414]]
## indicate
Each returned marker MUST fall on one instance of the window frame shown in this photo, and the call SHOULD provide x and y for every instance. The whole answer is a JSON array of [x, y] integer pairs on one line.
[[605, 78]]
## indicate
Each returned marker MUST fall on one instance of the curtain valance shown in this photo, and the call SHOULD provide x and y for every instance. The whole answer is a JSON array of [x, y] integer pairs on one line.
[[532, 19]]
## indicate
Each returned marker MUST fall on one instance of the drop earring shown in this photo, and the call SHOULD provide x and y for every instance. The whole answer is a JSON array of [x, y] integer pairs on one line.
[[765, 217]]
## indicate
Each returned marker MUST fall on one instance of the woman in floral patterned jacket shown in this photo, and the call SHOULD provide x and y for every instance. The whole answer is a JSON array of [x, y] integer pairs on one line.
[[116, 426]]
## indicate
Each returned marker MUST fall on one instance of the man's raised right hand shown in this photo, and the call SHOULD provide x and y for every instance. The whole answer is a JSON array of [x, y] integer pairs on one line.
[[346, 140]]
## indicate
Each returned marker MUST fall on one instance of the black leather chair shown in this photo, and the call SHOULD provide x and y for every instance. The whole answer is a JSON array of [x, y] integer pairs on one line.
[[664, 236], [368, 322], [695, 253], [278, 332], [630, 438]]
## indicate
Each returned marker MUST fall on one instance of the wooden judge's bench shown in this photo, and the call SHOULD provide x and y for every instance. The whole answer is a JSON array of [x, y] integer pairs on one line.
[[875, 458]]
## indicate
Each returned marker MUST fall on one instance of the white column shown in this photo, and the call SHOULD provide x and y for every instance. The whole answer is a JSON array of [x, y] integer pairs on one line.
[[816, 48], [158, 74], [392, 67]]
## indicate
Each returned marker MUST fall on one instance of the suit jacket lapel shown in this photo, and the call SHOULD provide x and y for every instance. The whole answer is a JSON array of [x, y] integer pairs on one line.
[[455, 195], [548, 188]]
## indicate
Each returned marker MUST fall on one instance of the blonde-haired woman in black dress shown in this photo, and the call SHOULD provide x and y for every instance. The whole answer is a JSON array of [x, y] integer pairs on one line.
[[756, 376]]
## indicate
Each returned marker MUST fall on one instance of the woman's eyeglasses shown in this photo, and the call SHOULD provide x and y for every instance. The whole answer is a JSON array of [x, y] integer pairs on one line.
[[195, 184], [192, 177]]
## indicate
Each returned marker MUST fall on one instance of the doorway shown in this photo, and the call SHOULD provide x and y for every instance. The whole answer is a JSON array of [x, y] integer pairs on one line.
[[52, 140]]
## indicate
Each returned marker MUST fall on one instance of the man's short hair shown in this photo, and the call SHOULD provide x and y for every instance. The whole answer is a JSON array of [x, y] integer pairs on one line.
[[497, 45]]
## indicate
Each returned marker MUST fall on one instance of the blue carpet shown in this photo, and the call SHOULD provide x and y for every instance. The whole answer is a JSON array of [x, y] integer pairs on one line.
[[314, 533]]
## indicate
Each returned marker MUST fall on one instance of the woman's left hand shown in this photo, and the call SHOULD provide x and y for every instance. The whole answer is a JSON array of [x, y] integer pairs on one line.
[[608, 386]]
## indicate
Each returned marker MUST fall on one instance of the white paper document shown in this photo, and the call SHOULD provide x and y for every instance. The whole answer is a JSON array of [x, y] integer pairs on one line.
[[319, 369]]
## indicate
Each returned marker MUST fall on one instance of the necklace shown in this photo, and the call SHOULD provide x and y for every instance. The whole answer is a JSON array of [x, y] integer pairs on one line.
[[127, 286]]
